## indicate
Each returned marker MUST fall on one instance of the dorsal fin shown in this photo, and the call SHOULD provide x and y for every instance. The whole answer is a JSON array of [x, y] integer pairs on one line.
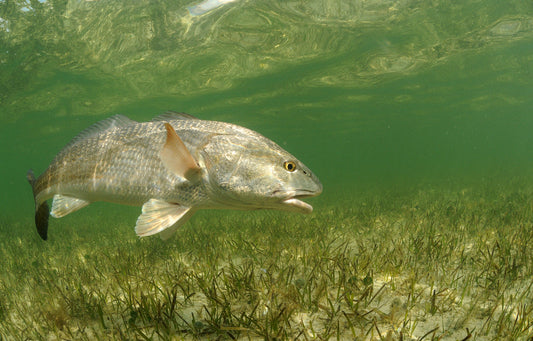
[[101, 126], [172, 115]]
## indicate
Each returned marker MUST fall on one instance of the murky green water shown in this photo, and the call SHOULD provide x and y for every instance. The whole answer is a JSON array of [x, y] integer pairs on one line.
[[364, 92], [393, 95]]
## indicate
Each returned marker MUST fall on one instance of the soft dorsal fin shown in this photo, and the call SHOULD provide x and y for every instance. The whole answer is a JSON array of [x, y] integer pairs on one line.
[[172, 115], [101, 126], [177, 158]]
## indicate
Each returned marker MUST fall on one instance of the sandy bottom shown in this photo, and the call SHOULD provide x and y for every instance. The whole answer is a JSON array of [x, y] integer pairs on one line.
[[429, 264]]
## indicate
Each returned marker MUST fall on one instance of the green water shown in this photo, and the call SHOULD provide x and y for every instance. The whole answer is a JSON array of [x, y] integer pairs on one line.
[[375, 96], [364, 92]]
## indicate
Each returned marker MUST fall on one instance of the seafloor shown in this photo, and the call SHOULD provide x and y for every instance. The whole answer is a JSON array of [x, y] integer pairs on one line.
[[428, 263]]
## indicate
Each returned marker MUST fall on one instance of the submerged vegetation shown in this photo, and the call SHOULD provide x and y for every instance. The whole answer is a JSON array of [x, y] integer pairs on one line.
[[427, 264], [377, 90]]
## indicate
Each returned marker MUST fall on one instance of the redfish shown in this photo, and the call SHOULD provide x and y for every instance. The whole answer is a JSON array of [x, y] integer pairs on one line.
[[172, 166]]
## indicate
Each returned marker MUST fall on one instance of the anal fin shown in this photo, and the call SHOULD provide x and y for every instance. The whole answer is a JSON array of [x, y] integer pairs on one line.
[[158, 216], [64, 205]]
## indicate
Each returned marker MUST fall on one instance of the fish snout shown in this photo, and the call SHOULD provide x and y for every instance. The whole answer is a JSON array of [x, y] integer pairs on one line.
[[308, 193], [318, 188]]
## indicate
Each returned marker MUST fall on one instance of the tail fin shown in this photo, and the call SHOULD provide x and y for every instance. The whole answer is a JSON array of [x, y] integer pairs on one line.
[[42, 212]]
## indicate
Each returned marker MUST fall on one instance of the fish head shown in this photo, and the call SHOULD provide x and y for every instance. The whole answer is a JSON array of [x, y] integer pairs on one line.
[[249, 171]]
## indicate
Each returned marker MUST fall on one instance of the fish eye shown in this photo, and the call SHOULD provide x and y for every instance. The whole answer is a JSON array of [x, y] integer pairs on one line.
[[290, 166]]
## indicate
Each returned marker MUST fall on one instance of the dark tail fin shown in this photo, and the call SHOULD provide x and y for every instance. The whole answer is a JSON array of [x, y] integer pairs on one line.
[[42, 212]]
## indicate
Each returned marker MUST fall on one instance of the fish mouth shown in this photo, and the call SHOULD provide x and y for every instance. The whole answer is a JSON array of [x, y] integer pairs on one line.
[[292, 202]]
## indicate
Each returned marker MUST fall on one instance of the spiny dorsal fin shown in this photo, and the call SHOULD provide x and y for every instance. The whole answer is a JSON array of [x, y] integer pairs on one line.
[[158, 215], [177, 158], [112, 122], [172, 116]]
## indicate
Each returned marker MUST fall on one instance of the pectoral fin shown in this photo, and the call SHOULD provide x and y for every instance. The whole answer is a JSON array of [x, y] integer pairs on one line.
[[158, 215], [177, 158], [64, 205]]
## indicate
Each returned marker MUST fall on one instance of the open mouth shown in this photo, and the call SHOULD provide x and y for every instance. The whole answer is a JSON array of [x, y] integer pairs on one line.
[[298, 205], [294, 204]]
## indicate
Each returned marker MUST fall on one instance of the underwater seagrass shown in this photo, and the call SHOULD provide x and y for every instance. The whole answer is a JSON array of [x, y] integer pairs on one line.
[[172, 166]]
